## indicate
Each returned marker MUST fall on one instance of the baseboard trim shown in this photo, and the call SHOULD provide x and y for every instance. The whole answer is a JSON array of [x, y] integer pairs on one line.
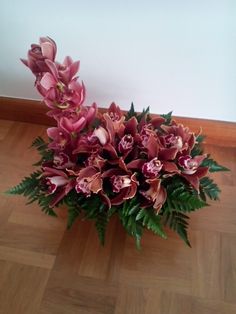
[[33, 111]]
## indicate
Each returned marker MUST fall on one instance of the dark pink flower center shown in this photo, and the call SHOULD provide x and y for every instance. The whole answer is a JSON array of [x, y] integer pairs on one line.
[[37, 50], [51, 188], [60, 160], [54, 182], [188, 164], [120, 182], [83, 186], [126, 143], [114, 116], [174, 141], [62, 140], [152, 168]]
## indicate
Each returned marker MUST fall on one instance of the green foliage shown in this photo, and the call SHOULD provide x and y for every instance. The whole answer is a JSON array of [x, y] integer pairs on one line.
[[197, 149], [73, 213], [131, 113], [200, 138], [151, 221], [182, 198], [168, 118], [30, 188], [213, 165], [27, 185], [42, 148], [101, 224], [89, 208], [143, 114], [209, 188], [139, 116], [127, 213], [177, 221]]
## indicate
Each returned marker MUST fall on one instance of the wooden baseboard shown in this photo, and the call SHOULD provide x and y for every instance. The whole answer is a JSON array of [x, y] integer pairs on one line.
[[33, 111]]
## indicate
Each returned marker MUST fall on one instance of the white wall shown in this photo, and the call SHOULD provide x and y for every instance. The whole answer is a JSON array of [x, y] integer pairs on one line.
[[172, 55]]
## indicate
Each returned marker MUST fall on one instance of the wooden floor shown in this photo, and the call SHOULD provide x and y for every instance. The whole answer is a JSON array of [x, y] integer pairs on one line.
[[45, 269]]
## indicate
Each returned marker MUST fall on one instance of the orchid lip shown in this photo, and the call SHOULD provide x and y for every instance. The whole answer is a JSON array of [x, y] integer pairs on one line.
[[152, 168], [126, 143], [120, 182]]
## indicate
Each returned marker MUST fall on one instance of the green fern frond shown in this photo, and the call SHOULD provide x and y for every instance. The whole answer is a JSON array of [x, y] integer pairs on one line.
[[134, 228], [38, 143], [167, 117], [151, 221], [198, 149], [213, 165], [44, 202], [131, 113], [209, 188], [177, 222], [27, 185], [101, 224], [183, 200], [73, 213], [42, 148]]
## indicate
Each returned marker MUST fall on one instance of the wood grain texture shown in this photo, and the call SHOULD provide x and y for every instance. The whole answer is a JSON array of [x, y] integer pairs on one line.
[[45, 269]]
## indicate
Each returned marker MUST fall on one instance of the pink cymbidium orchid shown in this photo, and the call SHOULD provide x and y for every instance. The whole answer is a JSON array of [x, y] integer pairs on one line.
[[88, 181], [58, 95], [155, 195], [179, 137], [68, 69], [152, 168], [46, 50], [62, 161], [56, 182], [123, 184], [60, 138], [192, 170]]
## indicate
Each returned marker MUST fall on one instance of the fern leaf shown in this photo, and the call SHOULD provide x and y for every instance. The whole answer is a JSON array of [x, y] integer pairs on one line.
[[131, 113], [101, 224], [133, 227], [177, 222], [73, 213], [151, 221], [167, 117], [26, 186], [209, 188], [183, 200], [213, 165], [143, 114]]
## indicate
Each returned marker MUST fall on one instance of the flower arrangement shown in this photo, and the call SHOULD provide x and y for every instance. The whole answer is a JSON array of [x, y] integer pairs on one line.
[[148, 170]]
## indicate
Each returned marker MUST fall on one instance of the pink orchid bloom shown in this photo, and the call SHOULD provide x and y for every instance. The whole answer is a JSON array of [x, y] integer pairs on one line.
[[56, 93], [192, 170], [62, 161], [155, 195], [95, 160], [74, 113], [126, 143], [56, 182], [68, 69], [152, 168], [189, 164], [39, 53], [72, 125], [88, 181], [116, 115], [101, 135], [60, 139], [145, 133], [123, 184], [179, 137]]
